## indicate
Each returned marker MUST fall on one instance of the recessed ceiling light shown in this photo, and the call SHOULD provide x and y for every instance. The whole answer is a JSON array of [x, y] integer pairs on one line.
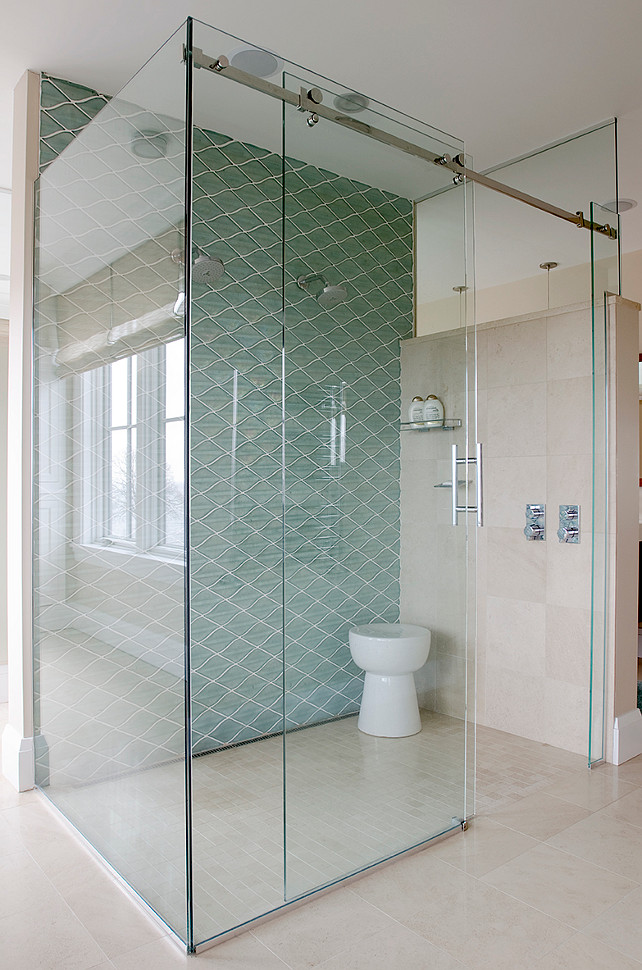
[[351, 102], [256, 62], [619, 205], [150, 144]]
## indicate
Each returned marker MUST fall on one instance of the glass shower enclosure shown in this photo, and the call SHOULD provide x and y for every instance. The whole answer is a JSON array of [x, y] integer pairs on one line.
[[227, 481]]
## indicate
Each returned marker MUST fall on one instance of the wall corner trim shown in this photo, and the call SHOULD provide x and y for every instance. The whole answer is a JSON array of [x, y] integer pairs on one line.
[[627, 736], [17, 743], [17, 759]]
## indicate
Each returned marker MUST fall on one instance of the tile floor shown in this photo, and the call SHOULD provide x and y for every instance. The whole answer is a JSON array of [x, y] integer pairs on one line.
[[548, 876], [351, 800]]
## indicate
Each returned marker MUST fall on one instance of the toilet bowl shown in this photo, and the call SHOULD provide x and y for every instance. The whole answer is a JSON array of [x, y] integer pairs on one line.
[[389, 653]]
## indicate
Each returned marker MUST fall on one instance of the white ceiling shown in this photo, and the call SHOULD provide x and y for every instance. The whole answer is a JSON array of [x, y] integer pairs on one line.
[[507, 76]]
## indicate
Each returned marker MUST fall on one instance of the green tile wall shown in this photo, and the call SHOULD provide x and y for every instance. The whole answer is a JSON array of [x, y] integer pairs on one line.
[[341, 516], [341, 524], [65, 109]]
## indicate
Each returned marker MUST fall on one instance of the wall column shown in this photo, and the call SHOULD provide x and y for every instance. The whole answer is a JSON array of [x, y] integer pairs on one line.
[[622, 714], [17, 739]]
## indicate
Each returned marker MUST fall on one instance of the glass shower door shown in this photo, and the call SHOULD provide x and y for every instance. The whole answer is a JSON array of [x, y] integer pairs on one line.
[[109, 544], [367, 538], [604, 283]]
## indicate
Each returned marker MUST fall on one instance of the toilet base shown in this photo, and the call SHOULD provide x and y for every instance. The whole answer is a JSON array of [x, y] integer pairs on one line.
[[389, 706]]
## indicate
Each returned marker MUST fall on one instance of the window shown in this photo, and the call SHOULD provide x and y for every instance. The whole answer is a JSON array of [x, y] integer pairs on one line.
[[134, 451]]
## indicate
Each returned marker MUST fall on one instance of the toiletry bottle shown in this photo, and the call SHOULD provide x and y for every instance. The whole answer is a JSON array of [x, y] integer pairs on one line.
[[433, 413], [416, 410]]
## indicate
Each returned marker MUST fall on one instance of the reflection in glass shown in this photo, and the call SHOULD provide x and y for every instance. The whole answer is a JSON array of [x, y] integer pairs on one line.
[[109, 635]]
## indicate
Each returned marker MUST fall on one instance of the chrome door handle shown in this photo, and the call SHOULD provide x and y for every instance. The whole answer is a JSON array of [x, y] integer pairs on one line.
[[479, 507], [479, 461]]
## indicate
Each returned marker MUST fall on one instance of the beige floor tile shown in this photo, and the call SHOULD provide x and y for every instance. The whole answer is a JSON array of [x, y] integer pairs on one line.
[[50, 939], [24, 888], [621, 927], [9, 843], [241, 953], [631, 771], [394, 948], [592, 790], [540, 815], [486, 929], [616, 846], [46, 836], [628, 808], [581, 953], [114, 920], [449, 914], [482, 848], [559, 884], [10, 798], [402, 888], [33, 822], [321, 929]]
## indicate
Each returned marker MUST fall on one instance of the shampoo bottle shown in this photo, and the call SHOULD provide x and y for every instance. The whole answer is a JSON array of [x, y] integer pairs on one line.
[[433, 414], [416, 410]]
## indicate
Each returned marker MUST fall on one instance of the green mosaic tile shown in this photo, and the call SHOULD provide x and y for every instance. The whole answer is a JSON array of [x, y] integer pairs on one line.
[[65, 109], [342, 535]]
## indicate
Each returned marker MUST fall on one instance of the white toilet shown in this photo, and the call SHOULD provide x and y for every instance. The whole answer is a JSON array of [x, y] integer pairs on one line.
[[389, 653]]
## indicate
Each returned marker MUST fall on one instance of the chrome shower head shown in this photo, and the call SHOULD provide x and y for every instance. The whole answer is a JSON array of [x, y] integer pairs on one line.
[[326, 296], [331, 296], [207, 269]]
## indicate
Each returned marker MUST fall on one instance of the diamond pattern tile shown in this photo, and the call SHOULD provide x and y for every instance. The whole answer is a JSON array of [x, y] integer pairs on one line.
[[341, 526], [341, 442], [65, 109], [109, 635]]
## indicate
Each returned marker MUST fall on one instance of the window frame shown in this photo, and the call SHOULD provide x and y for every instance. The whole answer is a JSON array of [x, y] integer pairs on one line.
[[149, 533]]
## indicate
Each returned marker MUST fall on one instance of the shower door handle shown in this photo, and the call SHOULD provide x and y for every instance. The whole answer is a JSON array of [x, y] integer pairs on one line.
[[479, 507]]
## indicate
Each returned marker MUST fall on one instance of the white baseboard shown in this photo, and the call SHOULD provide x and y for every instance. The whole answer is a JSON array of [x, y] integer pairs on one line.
[[4, 683], [18, 765], [627, 736]]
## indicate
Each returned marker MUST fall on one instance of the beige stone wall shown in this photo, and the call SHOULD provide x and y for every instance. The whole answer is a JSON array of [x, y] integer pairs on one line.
[[534, 607], [534, 598], [433, 553]]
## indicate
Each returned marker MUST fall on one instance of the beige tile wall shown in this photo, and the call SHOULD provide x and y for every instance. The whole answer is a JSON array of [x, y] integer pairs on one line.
[[534, 598], [433, 553], [535, 421]]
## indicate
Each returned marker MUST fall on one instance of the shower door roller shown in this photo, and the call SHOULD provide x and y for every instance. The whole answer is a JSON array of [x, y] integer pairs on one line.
[[479, 507]]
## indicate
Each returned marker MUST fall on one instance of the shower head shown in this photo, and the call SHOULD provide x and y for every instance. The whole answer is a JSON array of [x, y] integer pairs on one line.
[[207, 269], [331, 296], [327, 296]]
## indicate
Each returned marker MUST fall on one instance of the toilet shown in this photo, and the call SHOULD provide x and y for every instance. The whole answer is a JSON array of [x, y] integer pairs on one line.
[[389, 653]]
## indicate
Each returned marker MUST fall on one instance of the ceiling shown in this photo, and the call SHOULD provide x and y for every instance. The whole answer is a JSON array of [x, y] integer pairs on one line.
[[507, 76]]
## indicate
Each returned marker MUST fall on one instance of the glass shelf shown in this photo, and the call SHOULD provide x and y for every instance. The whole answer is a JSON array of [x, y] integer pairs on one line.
[[449, 425]]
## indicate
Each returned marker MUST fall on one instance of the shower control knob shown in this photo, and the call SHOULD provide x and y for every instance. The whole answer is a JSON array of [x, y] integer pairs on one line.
[[533, 531], [568, 533], [315, 95]]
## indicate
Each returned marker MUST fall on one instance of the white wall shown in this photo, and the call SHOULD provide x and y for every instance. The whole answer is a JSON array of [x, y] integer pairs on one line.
[[4, 349], [559, 288]]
